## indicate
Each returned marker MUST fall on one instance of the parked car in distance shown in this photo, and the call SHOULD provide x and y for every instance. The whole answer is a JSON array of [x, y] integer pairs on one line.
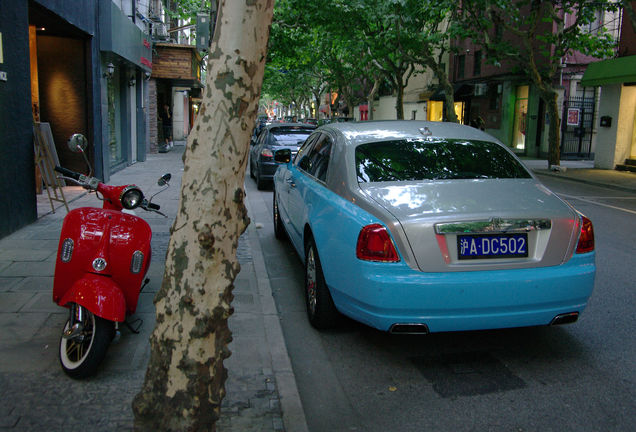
[[417, 227], [271, 139]]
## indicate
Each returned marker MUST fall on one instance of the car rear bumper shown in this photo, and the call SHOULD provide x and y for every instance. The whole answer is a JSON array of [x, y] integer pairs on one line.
[[383, 295], [266, 170]]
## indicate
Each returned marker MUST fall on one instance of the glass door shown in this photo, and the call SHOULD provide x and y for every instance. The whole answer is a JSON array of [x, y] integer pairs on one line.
[[114, 120], [520, 122]]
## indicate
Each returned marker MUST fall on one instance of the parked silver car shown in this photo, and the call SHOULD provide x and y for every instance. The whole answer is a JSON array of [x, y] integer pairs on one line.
[[412, 226]]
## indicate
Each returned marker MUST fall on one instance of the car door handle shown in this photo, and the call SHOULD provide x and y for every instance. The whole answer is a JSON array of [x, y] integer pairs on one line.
[[290, 182]]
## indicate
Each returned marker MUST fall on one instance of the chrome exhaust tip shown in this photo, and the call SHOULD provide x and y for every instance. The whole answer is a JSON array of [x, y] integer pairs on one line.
[[566, 318], [409, 328]]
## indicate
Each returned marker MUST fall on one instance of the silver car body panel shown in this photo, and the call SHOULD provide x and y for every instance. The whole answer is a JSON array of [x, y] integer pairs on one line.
[[413, 210]]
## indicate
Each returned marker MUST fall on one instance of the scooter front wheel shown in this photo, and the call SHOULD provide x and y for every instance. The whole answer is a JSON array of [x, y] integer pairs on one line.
[[82, 352]]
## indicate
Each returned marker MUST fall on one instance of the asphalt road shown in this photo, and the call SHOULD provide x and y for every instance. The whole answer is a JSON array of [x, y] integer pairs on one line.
[[575, 377]]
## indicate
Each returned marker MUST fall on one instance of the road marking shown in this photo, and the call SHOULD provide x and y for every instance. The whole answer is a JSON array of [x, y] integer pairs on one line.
[[609, 197], [598, 203]]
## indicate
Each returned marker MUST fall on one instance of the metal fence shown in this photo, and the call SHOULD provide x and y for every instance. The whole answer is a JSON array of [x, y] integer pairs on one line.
[[576, 131]]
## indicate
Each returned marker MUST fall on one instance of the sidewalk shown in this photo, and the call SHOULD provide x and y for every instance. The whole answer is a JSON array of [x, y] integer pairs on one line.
[[35, 395], [584, 172]]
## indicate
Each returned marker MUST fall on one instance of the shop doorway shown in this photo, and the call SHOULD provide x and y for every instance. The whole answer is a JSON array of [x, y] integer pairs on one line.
[[520, 121], [59, 90], [132, 97], [60, 85], [577, 126], [633, 152], [435, 111]]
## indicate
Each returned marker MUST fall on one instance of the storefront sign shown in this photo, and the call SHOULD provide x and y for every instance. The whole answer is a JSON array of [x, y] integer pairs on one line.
[[574, 117]]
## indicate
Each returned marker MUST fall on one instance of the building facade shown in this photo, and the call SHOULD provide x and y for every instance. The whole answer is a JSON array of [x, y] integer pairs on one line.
[[615, 80], [79, 69]]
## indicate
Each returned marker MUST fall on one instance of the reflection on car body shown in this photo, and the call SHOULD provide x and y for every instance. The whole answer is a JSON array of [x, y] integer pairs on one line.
[[440, 230]]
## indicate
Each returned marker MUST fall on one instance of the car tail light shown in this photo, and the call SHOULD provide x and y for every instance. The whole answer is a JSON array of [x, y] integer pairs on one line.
[[375, 244], [586, 237], [267, 154]]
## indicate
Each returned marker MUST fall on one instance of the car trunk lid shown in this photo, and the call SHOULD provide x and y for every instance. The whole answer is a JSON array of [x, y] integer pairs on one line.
[[432, 214]]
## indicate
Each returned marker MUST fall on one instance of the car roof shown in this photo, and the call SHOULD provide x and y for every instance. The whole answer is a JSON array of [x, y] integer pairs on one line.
[[356, 133], [290, 125]]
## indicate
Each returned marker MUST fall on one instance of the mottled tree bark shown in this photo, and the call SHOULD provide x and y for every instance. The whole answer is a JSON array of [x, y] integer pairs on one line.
[[184, 382]]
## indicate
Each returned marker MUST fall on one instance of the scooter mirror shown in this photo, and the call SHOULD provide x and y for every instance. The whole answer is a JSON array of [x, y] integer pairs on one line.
[[77, 143], [164, 179]]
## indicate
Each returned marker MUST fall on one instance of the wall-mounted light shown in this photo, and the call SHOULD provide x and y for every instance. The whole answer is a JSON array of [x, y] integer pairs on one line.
[[110, 70], [131, 81], [147, 75]]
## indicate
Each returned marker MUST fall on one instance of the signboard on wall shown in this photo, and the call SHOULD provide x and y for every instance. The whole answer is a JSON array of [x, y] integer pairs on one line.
[[574, 117]]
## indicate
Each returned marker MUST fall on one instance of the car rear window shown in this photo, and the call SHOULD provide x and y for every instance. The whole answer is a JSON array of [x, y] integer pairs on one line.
[[435, 159], [289, 136]]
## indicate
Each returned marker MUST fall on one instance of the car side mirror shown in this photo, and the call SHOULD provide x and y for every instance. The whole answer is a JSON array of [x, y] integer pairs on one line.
[[283, 156]]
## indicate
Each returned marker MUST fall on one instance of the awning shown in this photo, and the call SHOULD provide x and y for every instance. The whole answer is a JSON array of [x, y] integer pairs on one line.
[[459, 90], [614, 71]]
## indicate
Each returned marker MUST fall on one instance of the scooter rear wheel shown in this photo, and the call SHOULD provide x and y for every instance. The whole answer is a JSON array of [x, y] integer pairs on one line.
[[81, 355]]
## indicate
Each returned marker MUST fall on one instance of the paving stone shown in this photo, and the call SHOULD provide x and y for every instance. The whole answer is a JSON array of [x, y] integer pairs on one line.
[[13, 301], [36, 283], [23, 254], [25, 269], [7, 283], [41, 302]]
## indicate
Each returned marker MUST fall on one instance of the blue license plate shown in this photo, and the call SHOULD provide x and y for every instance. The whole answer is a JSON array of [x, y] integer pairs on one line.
[[492, 246]]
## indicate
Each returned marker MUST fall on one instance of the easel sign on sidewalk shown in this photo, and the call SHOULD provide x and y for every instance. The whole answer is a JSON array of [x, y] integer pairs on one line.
[[46, 159]]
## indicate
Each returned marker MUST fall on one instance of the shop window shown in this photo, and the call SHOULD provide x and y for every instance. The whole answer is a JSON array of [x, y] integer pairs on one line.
[[521, 117], [435, 111], [477, 64], [461, 65]]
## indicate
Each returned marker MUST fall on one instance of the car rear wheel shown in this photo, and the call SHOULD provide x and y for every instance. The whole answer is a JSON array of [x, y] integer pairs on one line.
[[279, 229], [321, 311]]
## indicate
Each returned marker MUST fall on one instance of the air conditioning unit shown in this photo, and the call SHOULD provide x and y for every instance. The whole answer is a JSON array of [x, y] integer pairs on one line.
[[159, 31], [481, 89]]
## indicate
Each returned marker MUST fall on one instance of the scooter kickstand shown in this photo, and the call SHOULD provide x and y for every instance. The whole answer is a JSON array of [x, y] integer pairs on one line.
[[130, 325], [144, 285]]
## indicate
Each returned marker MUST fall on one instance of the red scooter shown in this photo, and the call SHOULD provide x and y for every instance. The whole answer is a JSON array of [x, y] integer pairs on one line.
[[102, 260]]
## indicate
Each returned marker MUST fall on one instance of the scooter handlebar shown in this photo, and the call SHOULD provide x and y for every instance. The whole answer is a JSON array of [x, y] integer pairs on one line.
[[68, 173]]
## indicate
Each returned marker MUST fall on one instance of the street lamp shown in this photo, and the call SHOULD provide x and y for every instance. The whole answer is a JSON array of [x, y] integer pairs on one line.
[[110, 70]]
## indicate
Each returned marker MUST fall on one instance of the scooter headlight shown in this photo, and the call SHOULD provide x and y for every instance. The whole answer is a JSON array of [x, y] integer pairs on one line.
[[131, 197]]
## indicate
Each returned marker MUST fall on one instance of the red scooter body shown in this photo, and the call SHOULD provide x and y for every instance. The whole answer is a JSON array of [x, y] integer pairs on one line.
[[102, 234], [102, 260]]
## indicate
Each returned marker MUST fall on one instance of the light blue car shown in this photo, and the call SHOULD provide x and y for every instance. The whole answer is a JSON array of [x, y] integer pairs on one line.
[[417, 227]]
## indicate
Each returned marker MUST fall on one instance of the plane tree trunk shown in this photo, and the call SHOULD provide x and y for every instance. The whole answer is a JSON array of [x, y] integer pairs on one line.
[[184, 383]]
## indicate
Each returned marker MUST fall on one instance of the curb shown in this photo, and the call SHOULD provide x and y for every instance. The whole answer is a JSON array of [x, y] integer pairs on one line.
[[291, 406], [547, 173]]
